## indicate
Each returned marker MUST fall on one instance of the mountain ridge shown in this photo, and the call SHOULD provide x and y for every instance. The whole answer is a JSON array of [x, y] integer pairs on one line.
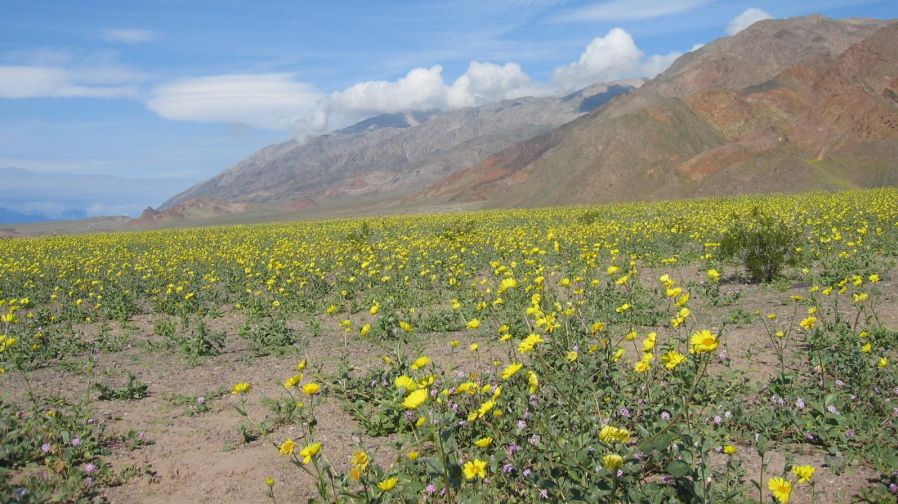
[[797, 104], [392, 158]]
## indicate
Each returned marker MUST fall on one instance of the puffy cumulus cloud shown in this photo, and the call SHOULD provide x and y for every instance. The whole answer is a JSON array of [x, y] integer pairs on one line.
[[614, 56], [279, 101], [748, 17], [129, 35], [267, 101], [488, 82], [35, 81], [420, 89]]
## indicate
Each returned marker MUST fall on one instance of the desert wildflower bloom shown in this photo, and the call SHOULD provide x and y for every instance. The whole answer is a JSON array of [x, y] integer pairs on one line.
[[292, 381], [287, 447], [781, 488], [473, 324], [609, 434], [405, 382], [729, 449], [309, 451], [388, 484], [506, 284], [311, 388], [883, 362], [510, 370], [360, 459], [412, 455], [241, 388], [420, 362], [365, 330], [612, 461], [571, 356], [533, 382], [642, 366], [672, 359], [484, 408], [648, 344], [483, 442], [808, 323], [374, 309], [704, 341], [713, 275], [406, 326], [804, 473], [530, 343], [474, 469], [415, 399]]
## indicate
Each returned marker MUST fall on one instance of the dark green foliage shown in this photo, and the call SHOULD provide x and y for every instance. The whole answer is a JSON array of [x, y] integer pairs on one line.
[[763, 244]]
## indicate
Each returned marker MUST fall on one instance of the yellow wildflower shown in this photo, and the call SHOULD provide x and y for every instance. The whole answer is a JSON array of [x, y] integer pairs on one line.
[[416, 399], [781, 488], [804, 473], [474, 469], [287, 447]]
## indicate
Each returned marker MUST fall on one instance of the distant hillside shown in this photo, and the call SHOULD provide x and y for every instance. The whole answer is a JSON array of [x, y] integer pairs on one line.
[[798, 104], [392, 155]]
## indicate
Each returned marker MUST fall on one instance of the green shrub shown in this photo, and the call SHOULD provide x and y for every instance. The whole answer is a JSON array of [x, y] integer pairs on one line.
[[267, 335], [763, 244]]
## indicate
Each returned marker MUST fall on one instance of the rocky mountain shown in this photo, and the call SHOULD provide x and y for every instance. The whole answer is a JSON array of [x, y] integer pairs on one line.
[[392, 155], [798, 104]]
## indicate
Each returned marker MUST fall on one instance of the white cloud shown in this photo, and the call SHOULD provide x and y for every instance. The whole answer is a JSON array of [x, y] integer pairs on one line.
[[27, 81], [614, 56], [488, 82], [657, 63], [129, 35], [627, 10], [749, 17], [279, 101], [420, 89], [267, 101]]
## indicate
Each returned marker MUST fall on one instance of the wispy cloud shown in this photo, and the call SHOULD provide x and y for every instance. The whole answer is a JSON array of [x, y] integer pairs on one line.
[[21, 81], [268, 101], [626, 10], [129, 35], [55, 73], [747, 18]]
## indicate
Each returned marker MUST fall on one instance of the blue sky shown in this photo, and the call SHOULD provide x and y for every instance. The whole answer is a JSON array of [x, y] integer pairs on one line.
[[179, 90]]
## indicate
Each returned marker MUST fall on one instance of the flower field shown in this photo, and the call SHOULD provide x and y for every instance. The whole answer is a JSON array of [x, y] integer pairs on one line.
[[726, 350]]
